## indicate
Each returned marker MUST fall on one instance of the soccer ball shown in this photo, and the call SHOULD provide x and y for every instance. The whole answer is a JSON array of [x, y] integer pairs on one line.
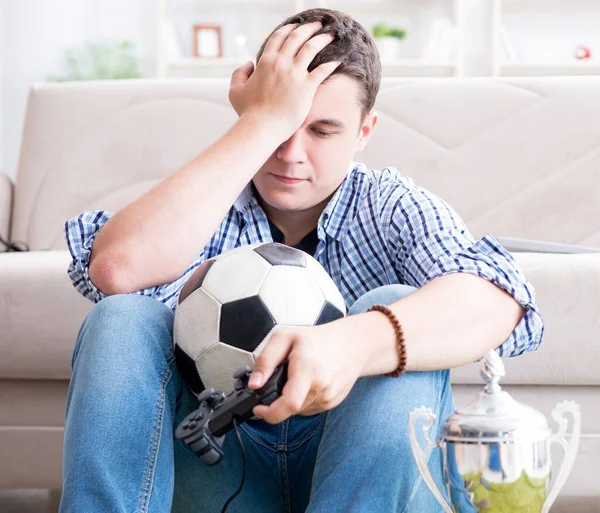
[[232, 303]]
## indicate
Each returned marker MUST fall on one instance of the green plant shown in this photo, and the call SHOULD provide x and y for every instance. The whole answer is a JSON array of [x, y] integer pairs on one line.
[[383, 30], [100, 61]]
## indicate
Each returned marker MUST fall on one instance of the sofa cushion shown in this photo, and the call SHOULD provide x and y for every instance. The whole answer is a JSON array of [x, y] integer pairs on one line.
[[567, 288], [511, 155], [40, 315]]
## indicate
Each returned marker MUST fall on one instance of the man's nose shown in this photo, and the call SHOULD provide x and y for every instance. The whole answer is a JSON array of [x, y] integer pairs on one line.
[[292, 151]]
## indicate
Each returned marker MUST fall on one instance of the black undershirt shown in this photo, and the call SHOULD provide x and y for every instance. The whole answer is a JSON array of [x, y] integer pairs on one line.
[[308, 244]]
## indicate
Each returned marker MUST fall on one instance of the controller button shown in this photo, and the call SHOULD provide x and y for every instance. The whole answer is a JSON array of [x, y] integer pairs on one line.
[[211, 457], [193, 424], [241, 372], [199, 445], [185, 425]]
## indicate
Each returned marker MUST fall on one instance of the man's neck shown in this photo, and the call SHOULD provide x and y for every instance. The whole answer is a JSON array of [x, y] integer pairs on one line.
[[294, 225]]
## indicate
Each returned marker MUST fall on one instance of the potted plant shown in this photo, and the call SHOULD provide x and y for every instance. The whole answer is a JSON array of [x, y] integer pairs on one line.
[[388, 40], [100, 61]]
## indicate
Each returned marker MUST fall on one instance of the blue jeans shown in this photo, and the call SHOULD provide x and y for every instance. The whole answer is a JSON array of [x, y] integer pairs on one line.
[[126, 397]]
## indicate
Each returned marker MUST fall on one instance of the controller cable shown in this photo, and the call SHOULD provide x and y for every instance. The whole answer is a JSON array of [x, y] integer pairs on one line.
[[13, 245], [237, 434]]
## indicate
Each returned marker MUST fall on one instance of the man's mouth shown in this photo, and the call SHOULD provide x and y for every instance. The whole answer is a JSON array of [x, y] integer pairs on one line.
[[287, 180]]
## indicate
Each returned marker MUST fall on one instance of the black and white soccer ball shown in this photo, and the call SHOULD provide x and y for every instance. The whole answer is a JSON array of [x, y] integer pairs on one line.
[[232, 303]]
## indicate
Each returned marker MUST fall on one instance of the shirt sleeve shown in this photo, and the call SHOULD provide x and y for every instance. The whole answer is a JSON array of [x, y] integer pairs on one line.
[[80, 233], [431, 240]]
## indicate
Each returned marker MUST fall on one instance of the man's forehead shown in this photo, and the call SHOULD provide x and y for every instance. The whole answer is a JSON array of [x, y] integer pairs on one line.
[[336, 100]]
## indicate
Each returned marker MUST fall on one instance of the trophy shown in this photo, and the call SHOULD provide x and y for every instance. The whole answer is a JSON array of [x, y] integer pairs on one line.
[[496, 451]]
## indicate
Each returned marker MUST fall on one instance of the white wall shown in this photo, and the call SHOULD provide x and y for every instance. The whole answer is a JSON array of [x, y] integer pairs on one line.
[[34, 35]]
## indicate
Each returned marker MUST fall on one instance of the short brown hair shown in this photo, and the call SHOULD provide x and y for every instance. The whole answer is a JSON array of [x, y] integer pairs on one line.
[[353, 46]]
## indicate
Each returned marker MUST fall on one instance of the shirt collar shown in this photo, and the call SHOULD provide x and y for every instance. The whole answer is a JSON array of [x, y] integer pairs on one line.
[[334, 220]]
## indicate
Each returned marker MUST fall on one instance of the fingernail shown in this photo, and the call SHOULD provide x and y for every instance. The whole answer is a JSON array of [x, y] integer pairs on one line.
[[255, 379]]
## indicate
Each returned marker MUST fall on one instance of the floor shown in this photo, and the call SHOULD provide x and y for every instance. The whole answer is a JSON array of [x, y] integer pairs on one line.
[[40, 501]]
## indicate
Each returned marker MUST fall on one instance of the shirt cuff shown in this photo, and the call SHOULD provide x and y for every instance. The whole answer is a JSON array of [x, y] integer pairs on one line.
[[487, 259]]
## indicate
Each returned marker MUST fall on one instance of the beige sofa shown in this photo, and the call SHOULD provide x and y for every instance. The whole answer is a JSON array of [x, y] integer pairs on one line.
[[515, 157]]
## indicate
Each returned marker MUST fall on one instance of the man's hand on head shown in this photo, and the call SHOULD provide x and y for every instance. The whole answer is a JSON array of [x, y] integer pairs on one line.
[[280, 90]]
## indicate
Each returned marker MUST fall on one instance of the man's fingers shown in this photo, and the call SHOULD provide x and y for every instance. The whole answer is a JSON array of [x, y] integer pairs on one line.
[[278, 38], [241, 75], [298, 38], [320, 73], [274, 353], [311, 48], [293, 396]]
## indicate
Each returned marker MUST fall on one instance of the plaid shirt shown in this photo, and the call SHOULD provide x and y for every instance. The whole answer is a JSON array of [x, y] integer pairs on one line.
[[379, 228]]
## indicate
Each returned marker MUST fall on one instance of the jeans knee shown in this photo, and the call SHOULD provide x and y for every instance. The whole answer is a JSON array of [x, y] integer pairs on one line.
[[127, 323], [385, 295], [395, 398]]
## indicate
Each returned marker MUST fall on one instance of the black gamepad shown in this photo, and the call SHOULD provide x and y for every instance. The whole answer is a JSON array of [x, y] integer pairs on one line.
[[203, 430]]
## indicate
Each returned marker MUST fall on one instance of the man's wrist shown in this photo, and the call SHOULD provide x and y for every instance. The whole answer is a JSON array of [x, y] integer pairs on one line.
[[271, 129], [374, 340]]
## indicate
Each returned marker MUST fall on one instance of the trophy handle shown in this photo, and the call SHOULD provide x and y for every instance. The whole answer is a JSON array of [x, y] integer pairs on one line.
[[569, 448], [422, 455]]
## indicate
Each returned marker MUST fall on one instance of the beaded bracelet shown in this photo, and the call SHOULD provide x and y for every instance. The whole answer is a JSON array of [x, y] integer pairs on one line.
[[399, 338]]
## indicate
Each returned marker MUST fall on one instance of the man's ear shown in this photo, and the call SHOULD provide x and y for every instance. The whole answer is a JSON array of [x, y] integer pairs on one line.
[[366, 130]]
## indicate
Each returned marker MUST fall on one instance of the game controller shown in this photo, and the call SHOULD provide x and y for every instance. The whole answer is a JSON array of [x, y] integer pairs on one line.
[[203, 430]]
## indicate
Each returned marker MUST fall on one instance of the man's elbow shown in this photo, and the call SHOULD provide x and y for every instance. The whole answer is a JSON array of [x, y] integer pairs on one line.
[[108, 276]]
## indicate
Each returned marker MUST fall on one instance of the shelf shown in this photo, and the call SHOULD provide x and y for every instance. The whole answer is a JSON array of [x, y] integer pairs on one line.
[[196, 62], [548, 4], [232, 3], [418, 68], [479, 50], [575, 64], [549, 68], [220, 67], [384, 5]]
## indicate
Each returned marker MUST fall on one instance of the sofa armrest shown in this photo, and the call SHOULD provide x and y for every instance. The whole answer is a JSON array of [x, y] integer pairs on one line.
[[567, 290], [6, 199], [40, 315]]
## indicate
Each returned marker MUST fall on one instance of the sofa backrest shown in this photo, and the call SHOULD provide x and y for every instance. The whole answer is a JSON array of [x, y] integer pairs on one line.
[[514, 156]]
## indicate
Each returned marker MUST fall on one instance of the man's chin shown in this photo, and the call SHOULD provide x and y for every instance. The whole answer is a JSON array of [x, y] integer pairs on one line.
[[284, 206]]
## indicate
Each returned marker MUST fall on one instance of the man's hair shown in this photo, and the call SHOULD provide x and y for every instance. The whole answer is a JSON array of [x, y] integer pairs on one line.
[[353, 46]]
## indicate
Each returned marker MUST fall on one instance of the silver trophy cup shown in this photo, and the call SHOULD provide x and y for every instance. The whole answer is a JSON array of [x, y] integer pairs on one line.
[[496, 451]]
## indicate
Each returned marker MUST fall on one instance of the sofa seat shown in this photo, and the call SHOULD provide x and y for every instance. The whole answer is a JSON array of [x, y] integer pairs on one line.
[[41, 314]]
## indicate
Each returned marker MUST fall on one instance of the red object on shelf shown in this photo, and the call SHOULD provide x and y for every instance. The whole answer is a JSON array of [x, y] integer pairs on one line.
[[583, 52]]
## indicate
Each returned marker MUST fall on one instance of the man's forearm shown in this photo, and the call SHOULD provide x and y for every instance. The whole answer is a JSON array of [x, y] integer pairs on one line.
[[153, 239], [451, 321]]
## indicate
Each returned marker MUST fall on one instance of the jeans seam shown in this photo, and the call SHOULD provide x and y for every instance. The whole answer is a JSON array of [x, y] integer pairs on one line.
[[272, 447], [418, 478], [318, 456], [150, 470], [308, 437], [285, 485]]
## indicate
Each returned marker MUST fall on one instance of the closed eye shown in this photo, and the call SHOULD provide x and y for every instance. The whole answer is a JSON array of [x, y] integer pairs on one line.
[[322, 133]]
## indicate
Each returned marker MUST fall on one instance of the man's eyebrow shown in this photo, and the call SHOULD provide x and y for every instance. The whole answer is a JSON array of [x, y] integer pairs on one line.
[[334, 123]]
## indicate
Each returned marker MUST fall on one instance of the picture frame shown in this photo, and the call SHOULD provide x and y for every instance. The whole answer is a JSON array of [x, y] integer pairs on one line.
[[207, 42]]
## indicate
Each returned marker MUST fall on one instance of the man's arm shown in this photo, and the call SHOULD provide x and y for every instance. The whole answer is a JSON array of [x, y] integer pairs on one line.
[[452, 320], [471, 295], [152, 240]]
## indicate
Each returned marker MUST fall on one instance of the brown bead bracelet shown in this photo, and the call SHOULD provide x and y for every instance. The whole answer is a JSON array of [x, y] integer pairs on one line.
[[399, 338]]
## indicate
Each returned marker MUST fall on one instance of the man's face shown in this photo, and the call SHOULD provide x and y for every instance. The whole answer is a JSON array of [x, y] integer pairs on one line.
[[307, 168]]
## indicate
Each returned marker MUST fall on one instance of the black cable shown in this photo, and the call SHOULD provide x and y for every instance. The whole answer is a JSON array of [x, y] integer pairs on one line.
[[13, 245], [237, 434]]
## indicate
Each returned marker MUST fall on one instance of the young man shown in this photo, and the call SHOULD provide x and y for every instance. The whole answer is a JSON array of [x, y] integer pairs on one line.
[[337, 438]]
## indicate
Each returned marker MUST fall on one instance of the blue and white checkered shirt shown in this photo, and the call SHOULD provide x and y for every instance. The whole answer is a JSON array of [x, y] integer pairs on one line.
[[379, 228]]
